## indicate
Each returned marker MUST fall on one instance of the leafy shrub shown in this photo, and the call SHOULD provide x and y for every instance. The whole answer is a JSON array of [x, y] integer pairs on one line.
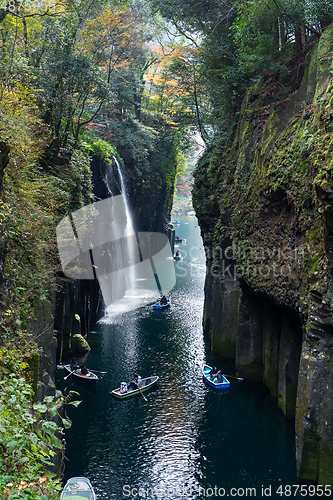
[[28, 431]]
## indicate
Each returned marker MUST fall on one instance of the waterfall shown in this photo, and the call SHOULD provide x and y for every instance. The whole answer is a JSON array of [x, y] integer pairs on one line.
[[129, 231], [119, 289], [98, 241], [129, 224], [152, 272]]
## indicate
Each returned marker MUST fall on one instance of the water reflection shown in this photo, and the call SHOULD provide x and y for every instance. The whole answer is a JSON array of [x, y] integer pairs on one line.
[[186, 434]]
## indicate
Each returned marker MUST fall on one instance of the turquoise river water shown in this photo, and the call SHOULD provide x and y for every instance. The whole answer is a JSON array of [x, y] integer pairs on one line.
[[186, 441]]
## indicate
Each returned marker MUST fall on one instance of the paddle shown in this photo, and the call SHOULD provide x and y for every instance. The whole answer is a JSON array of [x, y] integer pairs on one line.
[[65, 378], [97, 371], [231, 376], [144, 397]]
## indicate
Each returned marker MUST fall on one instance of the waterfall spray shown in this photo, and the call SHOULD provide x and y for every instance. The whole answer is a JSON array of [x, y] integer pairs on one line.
[[99, 241], [129, 231]]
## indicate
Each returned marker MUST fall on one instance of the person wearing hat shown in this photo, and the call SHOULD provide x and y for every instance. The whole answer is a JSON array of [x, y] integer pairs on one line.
[[136, 382]]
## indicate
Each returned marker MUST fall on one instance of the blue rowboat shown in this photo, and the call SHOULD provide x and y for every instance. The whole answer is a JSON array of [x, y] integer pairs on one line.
[[158, 305], [78, 488], [211, 380]]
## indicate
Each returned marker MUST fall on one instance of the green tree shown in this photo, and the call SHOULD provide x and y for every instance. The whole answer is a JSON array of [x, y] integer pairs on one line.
[[267, 32]]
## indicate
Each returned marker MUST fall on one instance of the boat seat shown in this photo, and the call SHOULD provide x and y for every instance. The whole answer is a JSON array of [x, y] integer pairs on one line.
[[73, 496]]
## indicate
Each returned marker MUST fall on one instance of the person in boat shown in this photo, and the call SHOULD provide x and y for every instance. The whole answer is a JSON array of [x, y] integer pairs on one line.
[[74, 366], [213, 372], [177, 254], [136, 382], [219, 377], [163, 300], [84, 369]]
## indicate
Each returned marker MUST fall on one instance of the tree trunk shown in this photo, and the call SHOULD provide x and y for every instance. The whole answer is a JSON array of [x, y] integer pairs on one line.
[[283, 37], [25, 36], [300, 38], [304, 38], [275, 36], [4, 159]]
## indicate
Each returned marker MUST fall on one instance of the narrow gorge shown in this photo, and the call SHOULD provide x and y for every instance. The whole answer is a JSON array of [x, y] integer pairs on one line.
[[232, 101]]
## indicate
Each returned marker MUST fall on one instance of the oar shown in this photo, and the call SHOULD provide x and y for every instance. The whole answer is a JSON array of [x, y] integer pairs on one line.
[[144, 397], [65, 378], [231, 376]]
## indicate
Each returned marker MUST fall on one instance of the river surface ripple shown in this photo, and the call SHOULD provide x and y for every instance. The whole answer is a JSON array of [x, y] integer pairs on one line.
[[186, 435]]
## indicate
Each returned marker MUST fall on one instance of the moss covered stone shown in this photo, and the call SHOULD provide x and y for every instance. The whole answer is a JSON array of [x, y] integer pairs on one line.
[[79, 344], [272, 379], [33, 371], [252, 371], [225, 346], [287, 402], [310, 457], [325, 464]]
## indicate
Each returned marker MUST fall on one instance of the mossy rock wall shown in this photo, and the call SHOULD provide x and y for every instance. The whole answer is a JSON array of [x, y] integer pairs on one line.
[[266, 193], [42, 363], [75, 297], [261, 338]]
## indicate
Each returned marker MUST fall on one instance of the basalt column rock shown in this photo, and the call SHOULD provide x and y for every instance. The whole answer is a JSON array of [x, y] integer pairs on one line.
[[263, 339], [77, 307], [290, 343], [249, 340], [221, 313], [314, 417]]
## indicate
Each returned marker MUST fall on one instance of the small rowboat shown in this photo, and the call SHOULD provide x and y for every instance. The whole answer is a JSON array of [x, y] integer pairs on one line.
[[177, 257], [179, 240], [122, 392], [78, 488], [89, 377], [211, 381], [158, 305]]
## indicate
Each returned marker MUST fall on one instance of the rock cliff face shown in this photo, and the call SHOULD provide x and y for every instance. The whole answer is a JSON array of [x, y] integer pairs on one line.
[[83, 297], [264, 200]]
